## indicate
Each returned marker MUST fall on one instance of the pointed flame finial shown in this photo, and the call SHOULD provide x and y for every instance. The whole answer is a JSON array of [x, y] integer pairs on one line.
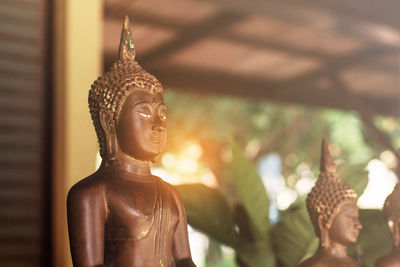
[[126, 47], [327, 164]]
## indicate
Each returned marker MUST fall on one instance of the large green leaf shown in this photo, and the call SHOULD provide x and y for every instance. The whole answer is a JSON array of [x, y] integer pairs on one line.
[[374, 240], [208, 211], [257, 254], [293, 236], [249, 191], [355, 175]]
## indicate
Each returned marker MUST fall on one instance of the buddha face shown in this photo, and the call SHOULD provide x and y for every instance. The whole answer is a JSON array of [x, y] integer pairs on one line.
[[345, 225], [141, 128]]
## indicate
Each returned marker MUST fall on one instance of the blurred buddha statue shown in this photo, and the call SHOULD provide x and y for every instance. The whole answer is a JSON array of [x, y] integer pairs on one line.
[[332, 207], [391, 209], [122, 215]]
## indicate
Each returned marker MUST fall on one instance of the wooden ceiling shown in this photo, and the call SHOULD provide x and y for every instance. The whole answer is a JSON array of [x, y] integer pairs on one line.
[[341, 54]]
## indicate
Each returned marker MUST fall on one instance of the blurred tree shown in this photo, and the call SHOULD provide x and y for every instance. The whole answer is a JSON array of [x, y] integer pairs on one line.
[[270, 127]]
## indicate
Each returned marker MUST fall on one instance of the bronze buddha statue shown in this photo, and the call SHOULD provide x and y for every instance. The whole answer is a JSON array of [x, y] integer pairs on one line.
[[332, 206], [122, 215], [391, 209]]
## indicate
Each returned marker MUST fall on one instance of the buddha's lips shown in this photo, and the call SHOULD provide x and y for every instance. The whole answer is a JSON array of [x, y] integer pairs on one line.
[[356, 233], [157, 138]]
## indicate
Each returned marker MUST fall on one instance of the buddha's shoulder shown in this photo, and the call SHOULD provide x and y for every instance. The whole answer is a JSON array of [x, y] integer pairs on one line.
[[169, 187], [89, 187], [314, 261], [319, 260], [388, 261]]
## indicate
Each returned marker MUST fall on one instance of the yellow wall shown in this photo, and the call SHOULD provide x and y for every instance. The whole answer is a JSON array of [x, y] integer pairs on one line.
[[77, 63]]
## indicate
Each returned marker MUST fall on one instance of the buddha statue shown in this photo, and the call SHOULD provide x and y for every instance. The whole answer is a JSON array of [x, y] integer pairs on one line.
[[391, 210], [122, 215], [332, 207]]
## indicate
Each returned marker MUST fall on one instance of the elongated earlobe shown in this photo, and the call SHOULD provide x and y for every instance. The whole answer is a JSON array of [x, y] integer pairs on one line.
[[324, 235], [111, 149], [396, 239], [394, 231], [106, 122], [109, 132]]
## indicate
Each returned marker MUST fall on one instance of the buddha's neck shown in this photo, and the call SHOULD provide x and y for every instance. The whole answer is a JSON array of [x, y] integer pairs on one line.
[[335, 250], [127, 164], [396, 249]]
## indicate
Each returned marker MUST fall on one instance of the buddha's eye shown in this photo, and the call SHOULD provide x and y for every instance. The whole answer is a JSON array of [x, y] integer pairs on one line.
[[144, 114], [144, 111], [162, 113], [352, 217]]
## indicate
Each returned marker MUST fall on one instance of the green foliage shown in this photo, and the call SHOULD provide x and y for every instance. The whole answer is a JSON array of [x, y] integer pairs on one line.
[[347, 132], [240, 202], [208, 211], [293, 236], [249, 191], [283, 129], [256, 254], [215, 256], [390, 126]]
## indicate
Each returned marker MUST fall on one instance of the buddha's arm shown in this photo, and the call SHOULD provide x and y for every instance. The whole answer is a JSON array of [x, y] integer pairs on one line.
[[86, 219], [181, 250]]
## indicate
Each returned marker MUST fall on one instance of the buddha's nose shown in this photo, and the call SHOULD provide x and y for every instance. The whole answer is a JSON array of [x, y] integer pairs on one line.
[[358, 225], [158, 127], [159, 124]]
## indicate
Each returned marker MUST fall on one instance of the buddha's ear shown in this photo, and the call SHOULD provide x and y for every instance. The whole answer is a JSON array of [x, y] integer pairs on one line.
[[324, 233], [106, 122]]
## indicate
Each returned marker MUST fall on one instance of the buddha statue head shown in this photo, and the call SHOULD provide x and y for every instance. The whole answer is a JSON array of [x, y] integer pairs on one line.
[[332, 207], [391, 209], [127, 107]]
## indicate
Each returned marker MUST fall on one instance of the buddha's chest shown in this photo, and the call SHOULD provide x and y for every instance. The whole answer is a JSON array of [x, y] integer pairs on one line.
[[134, 209], [341, 262]]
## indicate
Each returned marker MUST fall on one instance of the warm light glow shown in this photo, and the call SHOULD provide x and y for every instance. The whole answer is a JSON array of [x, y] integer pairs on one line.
[[186, 165], [193, 150], [166, 176], [183, 166], [209, 179], [168, 160]]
